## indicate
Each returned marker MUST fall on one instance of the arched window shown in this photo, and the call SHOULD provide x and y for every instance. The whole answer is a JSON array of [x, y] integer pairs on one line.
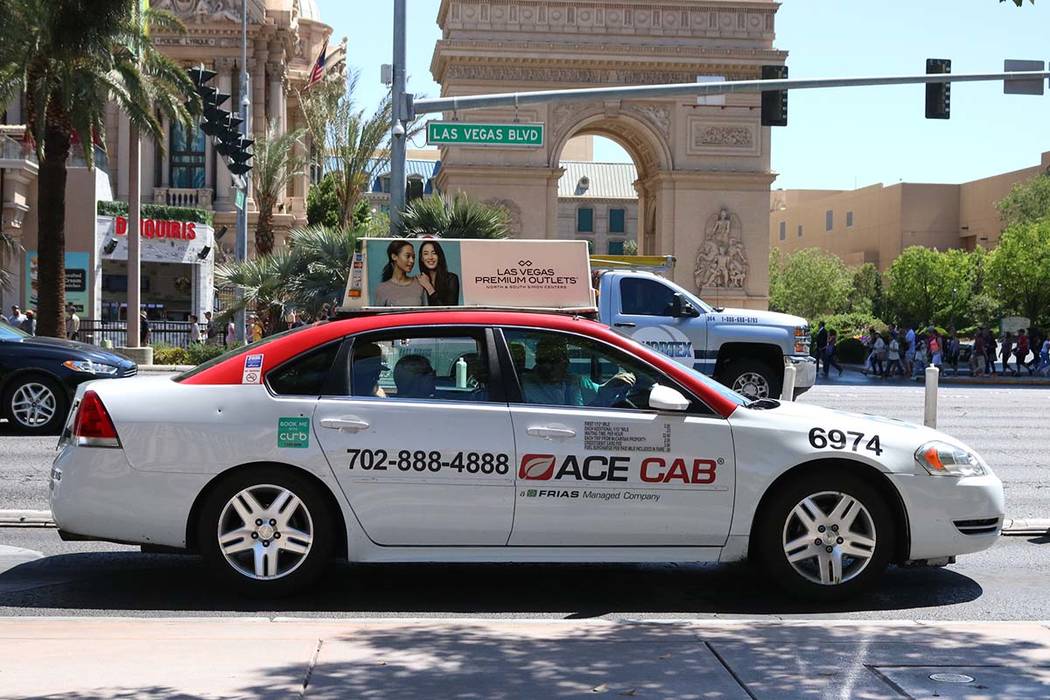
[[186, 157]]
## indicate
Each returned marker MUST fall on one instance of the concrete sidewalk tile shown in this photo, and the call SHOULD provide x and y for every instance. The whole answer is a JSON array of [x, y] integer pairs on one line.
[[969, 682], [105, 668], [474, 664]]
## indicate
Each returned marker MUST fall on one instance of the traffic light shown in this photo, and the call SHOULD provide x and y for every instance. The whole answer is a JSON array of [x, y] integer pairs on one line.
[[221, 124], [774, 102], [240, 156], [938, 95]]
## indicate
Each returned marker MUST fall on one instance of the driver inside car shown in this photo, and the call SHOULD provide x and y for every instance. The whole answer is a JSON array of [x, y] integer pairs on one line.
[[551, 383]]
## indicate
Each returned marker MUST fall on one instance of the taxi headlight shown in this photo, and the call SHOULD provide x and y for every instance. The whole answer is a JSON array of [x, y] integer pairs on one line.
[[942, 459]]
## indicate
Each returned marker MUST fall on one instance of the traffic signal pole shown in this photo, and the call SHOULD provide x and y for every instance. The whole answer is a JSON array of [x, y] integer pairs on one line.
[[411, 108], [241, 242], [397, 119]]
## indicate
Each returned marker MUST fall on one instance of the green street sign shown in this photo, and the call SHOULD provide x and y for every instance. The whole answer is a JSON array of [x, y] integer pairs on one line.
[[293, 431], [238, 199], [468, 134]]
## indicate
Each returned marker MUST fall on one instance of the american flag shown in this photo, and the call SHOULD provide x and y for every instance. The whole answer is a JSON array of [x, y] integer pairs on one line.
[[319, 65]]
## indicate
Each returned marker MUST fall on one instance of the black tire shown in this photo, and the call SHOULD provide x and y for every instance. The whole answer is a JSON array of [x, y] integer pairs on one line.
[[320, 517], [17, 388], [738, 369], [773, 528]]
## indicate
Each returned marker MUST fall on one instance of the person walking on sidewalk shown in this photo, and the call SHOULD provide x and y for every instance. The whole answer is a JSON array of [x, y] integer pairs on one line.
[[829, 354], [935, 347], [893, 356], [909, 350], [918, 360], [977, 360], [1044, 358], [1021, 353], [951, 349], [1006, 352], [1035, 342], [989, 352], [822, 344], [878, 356]]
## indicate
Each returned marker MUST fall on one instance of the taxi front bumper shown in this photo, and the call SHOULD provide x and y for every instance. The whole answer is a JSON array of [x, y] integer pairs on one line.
[[948, 516]]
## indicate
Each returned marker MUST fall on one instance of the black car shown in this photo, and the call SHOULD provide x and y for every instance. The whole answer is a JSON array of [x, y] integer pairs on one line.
[[38, 377]]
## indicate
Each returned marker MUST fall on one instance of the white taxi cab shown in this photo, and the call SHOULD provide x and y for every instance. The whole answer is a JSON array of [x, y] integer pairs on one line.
[[501, 436]]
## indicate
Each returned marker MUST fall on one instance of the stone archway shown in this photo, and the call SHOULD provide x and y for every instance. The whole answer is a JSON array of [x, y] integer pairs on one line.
[[694, 161], [641, 128]]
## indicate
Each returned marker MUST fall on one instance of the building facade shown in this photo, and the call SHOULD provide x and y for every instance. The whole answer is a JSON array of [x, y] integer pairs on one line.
[[874, 224], [284, 39], [703, 171]]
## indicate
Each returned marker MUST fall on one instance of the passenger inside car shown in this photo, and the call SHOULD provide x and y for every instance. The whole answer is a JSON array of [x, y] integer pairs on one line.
[[414, 378], [368, 365]]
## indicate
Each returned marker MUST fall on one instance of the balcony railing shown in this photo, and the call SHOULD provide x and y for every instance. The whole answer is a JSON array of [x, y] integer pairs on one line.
[[194, 198]]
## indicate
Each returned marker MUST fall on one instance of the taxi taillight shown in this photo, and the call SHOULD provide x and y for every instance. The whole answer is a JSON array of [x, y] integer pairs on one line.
[[93, 427]]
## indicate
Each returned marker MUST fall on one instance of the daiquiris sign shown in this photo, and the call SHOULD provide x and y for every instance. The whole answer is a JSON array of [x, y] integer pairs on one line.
[[160, 240], [473, 134]]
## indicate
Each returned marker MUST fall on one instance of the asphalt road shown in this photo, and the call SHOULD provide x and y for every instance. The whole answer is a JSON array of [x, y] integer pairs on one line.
[[1007, 582]]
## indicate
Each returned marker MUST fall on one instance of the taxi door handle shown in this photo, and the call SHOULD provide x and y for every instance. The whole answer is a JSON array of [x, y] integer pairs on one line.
[[349, 423], [551, 431], [625, 324]]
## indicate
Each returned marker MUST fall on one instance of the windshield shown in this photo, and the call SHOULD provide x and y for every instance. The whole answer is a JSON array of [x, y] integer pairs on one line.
[[11, 333], [722, 389], [240, 350]]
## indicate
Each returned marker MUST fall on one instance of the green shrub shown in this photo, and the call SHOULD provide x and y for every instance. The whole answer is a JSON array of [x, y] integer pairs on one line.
[[168, 355], [157, 211], [851, 351], [199, 352], [850, 325]]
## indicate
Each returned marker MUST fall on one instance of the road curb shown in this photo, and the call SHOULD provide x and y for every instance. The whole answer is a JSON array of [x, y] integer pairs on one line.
[[26, 518], [1019, 527]]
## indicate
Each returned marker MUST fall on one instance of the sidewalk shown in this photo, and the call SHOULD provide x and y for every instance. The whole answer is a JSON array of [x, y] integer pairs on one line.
[[282, 658]]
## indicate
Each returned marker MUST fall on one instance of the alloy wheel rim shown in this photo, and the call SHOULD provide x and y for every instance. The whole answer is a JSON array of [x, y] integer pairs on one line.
[[33, 404], [829, 538], [752, 385], [265, 532]]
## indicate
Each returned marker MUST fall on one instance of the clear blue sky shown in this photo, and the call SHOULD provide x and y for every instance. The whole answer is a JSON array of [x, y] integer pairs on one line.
[[835, 138]]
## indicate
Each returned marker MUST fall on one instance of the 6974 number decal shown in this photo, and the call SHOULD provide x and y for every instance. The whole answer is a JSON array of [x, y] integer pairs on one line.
[[844, 440]]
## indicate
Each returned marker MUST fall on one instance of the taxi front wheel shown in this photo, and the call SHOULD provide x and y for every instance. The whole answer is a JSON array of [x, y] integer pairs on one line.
[[266, 532], [826, 536]]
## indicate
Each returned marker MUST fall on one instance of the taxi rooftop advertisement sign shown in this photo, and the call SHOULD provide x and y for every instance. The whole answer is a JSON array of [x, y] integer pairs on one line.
[[431, 272], [472, 134]]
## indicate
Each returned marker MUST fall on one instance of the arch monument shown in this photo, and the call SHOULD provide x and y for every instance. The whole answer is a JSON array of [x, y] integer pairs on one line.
[[703, 170]]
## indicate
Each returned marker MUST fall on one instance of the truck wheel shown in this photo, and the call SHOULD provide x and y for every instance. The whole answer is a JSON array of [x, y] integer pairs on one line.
[[826, 536], [752, 378]]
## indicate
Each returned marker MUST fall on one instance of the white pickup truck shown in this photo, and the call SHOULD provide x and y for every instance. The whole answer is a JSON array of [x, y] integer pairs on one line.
[[744, 349]]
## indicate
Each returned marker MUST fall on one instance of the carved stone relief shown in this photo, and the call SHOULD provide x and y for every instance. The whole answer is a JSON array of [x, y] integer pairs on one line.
[[722, 137], [657, 114], [201, 11], [721, 260]]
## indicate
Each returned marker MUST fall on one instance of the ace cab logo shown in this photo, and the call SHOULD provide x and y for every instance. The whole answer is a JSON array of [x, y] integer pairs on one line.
[[653, 470]]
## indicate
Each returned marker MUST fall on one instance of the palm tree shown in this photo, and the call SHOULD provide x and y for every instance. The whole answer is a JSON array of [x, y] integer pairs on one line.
[[70, 57], [9, 250], [459, 217], [350, 144], [277, 161], [310, 272]]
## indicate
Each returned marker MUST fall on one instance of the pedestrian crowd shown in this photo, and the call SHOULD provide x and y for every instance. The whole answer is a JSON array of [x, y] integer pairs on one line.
[[907, 352]]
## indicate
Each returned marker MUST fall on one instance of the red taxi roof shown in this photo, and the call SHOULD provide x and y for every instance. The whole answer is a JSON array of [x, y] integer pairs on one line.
[[278, 350]]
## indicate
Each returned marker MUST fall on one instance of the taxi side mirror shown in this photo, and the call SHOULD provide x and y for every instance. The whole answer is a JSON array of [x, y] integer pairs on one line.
[[664, 398]]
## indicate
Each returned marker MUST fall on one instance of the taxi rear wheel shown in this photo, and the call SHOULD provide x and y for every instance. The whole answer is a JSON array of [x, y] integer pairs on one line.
[[826, 536], [266, 532]]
